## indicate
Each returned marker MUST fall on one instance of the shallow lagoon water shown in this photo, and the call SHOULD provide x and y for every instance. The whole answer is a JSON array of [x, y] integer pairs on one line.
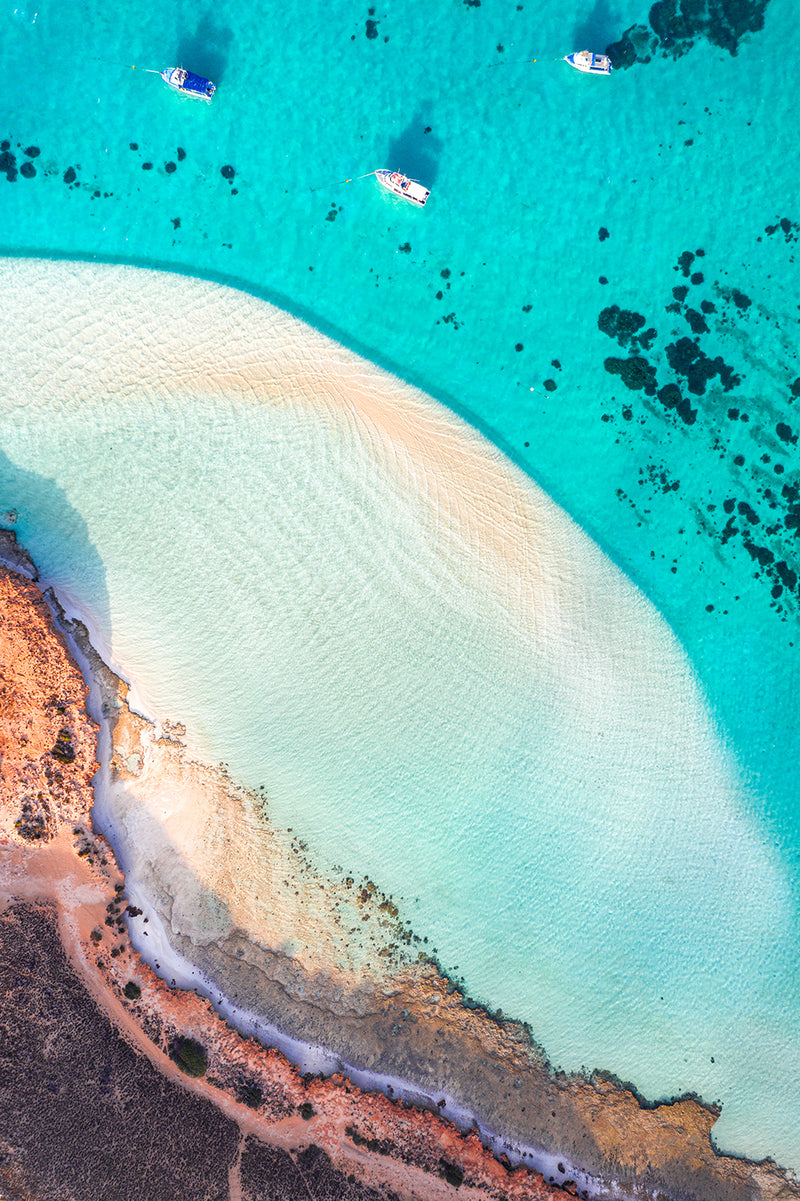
[[528, 165]]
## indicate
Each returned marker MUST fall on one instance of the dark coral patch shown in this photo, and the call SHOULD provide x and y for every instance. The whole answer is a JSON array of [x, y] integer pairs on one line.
[[70, 175], [697, 321], [671, 398], [8, 165], [227, 172], [686, 358], [181, 154], [27, 170], [685, 263], [170, 167], [32, 151], [636, 373], [676, 25], [619, 323], [603, 233]]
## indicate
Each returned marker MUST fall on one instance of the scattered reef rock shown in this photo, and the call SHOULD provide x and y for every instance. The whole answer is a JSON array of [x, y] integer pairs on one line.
[[134, 1088], [674, 26]]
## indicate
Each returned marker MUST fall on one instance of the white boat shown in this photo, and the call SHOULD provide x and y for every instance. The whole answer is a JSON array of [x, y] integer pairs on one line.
[[401, 185], [590, 64], [196, 86]]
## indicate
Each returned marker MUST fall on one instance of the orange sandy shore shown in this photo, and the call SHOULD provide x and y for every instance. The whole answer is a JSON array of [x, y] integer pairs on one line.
[[49, 851]]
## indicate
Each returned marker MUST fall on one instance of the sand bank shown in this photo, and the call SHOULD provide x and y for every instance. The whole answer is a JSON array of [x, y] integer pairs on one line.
[[391, 517]]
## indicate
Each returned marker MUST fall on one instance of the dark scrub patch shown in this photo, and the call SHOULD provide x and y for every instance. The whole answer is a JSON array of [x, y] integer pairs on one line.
[[372, 28], [333, 214], [741, 301], [697, 278], [602, 279], [526, 308], [176, 222], [181, 154], [549, 385], [133, 145], [676, 25], [636, 373], [5, 145], [227, 172], [795, 388], [621, 324], [603, 233], [785, 434], [147, 166], [70, 175], [555, 363], [27, 170], [170, 167], [32, 151], [680, 293], [708, 306], [519, 347], [405, 248]]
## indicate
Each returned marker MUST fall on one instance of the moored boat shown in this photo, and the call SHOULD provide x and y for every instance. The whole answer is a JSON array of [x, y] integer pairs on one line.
[[589, 63], [401, 185], [196, 86]]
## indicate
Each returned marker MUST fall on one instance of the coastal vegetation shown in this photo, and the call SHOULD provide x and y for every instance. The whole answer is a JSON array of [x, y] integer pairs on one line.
[[189, 1056]]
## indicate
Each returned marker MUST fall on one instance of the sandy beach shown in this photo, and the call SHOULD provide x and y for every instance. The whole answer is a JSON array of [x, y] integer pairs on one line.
[[374, 1142], [189, 916]]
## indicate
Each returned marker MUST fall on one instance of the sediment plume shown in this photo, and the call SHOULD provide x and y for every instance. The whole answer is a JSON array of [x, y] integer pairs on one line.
[[406, 1021]]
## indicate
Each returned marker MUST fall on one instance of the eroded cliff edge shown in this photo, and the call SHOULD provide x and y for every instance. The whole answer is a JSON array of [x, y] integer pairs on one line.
[[405, 1021]]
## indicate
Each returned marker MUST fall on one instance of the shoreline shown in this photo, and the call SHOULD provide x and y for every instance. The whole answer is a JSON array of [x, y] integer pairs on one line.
[[599, 1098]]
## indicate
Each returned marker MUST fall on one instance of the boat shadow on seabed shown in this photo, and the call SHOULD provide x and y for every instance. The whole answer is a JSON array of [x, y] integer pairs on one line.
[[417, 148], [207, 50]]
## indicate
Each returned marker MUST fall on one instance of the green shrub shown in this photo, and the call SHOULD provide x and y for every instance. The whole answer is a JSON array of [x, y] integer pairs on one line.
[[452, 1174], [132, 991], [189, 1056], [250, 1094], [306, 1111]]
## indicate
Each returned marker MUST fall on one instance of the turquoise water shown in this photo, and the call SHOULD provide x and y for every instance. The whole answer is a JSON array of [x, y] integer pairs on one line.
[[543, 183]]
